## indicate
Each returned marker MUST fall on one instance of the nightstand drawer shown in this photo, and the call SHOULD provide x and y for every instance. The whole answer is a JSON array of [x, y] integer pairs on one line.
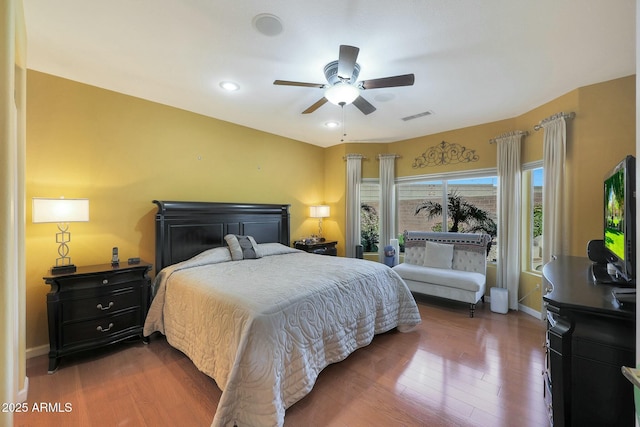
[[104, 327], [93, 282], [100, 306]]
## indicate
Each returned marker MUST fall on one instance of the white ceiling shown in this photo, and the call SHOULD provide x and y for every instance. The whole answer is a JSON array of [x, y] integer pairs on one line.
[[474, 61]]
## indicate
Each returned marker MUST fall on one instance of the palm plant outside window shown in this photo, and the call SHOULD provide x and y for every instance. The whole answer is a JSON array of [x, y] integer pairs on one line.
[[468, 204]]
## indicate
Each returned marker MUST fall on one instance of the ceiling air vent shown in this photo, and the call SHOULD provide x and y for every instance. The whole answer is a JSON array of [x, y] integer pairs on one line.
[[415, 116]]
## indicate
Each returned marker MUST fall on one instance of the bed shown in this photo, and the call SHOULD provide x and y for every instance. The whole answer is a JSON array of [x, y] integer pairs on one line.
[[263, 328]]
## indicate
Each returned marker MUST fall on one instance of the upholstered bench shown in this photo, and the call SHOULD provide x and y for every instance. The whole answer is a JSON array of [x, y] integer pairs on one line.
[[446, 265]]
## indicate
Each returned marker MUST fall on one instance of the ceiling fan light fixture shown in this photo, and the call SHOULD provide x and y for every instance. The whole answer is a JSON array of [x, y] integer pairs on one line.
[[342, 94]]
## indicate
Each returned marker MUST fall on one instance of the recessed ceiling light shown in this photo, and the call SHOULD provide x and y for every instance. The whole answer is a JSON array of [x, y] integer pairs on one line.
[[267, 24], [332, 124], [230, 86]]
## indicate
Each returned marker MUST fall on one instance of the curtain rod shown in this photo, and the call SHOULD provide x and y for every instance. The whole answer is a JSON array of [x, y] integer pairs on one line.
[[555, 116], [381, 156], [353, 156], [508, 134]]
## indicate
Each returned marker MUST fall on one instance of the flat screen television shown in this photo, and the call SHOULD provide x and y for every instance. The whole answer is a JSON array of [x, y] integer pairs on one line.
[[620, 218]]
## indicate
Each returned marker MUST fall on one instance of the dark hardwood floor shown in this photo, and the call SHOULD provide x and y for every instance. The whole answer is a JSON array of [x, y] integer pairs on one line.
[[451, 371]]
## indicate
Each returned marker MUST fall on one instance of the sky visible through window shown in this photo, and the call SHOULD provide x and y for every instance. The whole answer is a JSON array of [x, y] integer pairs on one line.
[[493, 180], [536, 175]]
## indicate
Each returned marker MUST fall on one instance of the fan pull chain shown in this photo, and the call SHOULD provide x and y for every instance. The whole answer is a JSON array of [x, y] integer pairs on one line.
[[344, 126]]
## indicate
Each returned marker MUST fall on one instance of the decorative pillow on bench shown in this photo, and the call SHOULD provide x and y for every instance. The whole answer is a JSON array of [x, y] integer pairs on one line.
[[438, 255]]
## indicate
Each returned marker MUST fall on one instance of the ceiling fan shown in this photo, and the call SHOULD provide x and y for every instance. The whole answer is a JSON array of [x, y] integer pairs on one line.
[[342, 88]]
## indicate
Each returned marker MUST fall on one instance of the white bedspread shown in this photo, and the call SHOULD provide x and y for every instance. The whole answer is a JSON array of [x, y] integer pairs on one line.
[[263, 329]]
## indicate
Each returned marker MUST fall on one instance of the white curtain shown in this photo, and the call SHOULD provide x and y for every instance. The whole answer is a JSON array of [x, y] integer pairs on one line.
[[509, 216], [553, 206], [387, 201], [354, 178]]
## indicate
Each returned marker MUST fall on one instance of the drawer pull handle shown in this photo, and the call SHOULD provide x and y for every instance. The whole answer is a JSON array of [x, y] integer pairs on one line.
[[99, 328], [100, 307], [105, 281]]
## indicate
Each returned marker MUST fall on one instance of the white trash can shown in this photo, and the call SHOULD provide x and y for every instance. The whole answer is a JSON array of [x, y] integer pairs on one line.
[[499, 300]]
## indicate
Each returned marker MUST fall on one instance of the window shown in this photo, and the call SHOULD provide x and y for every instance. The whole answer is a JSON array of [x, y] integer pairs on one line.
[[468, 202], [369, 218], [532, 184]]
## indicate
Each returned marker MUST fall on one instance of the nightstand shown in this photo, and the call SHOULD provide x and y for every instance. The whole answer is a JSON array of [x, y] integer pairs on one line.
[[95, 306], [321, 248]]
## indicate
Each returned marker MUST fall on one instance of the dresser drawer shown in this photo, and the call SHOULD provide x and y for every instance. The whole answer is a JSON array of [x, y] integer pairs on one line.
[[99, 306], [101, 328]]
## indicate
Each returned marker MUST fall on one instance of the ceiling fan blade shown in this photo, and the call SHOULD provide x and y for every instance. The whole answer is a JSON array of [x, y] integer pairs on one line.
[[315, 106], [364, 105], [290, 83], [403, 80], [347, 60]]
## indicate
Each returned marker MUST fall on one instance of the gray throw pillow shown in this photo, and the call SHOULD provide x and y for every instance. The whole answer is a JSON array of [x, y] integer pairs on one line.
[[242, 247]]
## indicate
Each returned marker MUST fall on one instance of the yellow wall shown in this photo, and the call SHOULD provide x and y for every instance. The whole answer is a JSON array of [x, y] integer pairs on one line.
[[335, 187], [122, 152], [604, 135], [472, 138]]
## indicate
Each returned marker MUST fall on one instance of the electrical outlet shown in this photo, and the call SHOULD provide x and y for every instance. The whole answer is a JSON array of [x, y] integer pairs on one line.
[[537, 286]]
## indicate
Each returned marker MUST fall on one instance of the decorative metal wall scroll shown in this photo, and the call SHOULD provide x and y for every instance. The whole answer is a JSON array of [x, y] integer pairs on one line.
[[443, 154]]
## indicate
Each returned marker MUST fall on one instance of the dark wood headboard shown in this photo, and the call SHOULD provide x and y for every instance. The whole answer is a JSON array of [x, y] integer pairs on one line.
[[184, 229]]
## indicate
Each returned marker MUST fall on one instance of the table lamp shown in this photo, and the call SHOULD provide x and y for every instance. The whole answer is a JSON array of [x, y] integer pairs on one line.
[[321, 211], [61, 211]]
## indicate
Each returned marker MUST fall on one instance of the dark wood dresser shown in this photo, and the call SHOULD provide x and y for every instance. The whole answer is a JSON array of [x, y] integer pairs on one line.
[[95, 306], [589, 338], [321, 248]]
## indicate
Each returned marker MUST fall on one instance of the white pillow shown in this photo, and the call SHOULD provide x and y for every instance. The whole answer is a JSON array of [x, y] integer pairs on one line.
[[438, 255]]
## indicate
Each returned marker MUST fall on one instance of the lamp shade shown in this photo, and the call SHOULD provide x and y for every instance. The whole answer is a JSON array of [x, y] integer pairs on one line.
[[321, 211], [342, 93], [59, 210]]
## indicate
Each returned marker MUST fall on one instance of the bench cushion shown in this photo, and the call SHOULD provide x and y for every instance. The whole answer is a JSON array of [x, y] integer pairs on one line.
[[467, 280]]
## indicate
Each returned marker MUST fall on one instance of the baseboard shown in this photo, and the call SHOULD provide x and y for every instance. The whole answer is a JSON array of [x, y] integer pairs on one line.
[[37, 351], [22, 394], [523, 308], [530, 311]]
